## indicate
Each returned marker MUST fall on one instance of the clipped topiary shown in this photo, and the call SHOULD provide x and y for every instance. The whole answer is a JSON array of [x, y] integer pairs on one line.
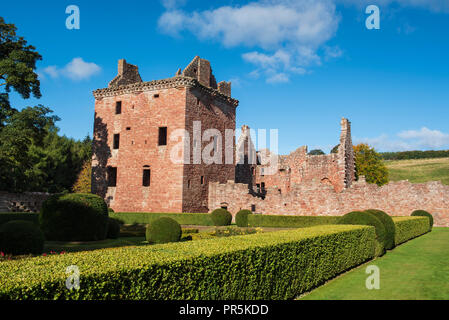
[[163, 230], [368, 219], [21, 237], [110, 210], [241, 218], [423, 213], [388, 224], [113, 228], [221, 217], [74, 217]]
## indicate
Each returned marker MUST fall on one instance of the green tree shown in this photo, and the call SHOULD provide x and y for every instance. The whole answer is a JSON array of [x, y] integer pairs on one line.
[[316, 152], [335, 149], [369, 163]]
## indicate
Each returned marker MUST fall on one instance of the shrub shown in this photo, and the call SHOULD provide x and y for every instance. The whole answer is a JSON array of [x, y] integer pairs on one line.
[[233, 231], [213, 269], [199, 219], [388, 224], [21, 237], [368, 219], [241, 218], [10, 216], [221, 217], [110, 210], [74, 217], [282, 221], [423, 213], [190, 230], [408, 228], [113, 228], [163, 230]]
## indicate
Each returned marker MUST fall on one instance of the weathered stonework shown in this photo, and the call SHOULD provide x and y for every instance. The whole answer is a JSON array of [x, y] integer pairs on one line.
[[314, 199], [22, 202], [174, 103]]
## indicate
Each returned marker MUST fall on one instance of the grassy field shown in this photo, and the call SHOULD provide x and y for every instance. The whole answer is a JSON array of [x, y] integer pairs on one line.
[[418, 269], [421, 170]]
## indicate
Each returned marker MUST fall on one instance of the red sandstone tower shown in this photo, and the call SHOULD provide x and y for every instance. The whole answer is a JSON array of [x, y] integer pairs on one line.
[[132, 166]]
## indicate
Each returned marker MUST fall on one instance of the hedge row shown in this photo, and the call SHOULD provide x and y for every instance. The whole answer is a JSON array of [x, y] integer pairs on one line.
[[282, 221], [200, 219], [274, 265], [10, 216], [409, 227]]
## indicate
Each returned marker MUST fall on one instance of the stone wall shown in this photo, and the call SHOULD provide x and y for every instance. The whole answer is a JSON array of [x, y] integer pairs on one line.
[[22, 202], [396, 198]]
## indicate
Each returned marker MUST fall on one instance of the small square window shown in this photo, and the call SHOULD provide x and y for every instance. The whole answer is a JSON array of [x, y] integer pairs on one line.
[[118, 107], [128, 128], [253, 207], [202, 179], [156, 95]]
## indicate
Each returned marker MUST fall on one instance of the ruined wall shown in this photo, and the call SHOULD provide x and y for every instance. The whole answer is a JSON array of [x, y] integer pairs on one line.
[[22, 202], [396, 198], [213, 113]]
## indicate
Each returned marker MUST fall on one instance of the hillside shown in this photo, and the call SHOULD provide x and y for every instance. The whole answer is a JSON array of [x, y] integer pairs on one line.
[[420, 170]]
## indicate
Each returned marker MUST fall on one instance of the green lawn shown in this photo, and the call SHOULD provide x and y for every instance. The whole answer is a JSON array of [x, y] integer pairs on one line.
[[418, 269], [421, 170]]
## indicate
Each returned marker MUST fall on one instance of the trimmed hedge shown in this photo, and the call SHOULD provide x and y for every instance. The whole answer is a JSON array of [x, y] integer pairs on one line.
[[282, 221], [21, 237], [24, 216], [388, 224], [423, 213], [368, 219], [408, 228], [274, 265], [241, 218], [199, 219], [113, 228], [163, 230], [221, 217], [74, 217]]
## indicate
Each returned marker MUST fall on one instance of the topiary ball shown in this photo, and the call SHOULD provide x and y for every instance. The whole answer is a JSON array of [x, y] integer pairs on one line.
[[388, 224], [113, 228], [241, 218], [21, 237], [367, 219], [163, 230], [221, 217], [74, 217], [423, 213]]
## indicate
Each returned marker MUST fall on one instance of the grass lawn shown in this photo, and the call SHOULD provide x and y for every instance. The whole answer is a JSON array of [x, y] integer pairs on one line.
[[420, 170], [417, 269]]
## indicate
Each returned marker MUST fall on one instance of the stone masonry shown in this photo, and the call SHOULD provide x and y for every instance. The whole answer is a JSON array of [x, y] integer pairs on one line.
[[131, 166]]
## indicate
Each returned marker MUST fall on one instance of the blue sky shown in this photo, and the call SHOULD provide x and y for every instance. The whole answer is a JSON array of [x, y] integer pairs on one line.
[[297, 66]]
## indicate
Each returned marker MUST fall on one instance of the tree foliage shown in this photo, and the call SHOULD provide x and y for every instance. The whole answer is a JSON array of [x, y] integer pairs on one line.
[[369, 163], [335, 149], [316, 152], [83, 182], [33, 157]]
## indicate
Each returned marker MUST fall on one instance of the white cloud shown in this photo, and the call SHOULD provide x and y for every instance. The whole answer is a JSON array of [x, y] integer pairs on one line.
[[77, 69], [423, 139], [286, 34]]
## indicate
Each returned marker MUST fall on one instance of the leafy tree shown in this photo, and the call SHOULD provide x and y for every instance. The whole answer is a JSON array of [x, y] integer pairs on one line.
[[83, 182], [369, 163], [335, 149], [316, 152], [17, 62]]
